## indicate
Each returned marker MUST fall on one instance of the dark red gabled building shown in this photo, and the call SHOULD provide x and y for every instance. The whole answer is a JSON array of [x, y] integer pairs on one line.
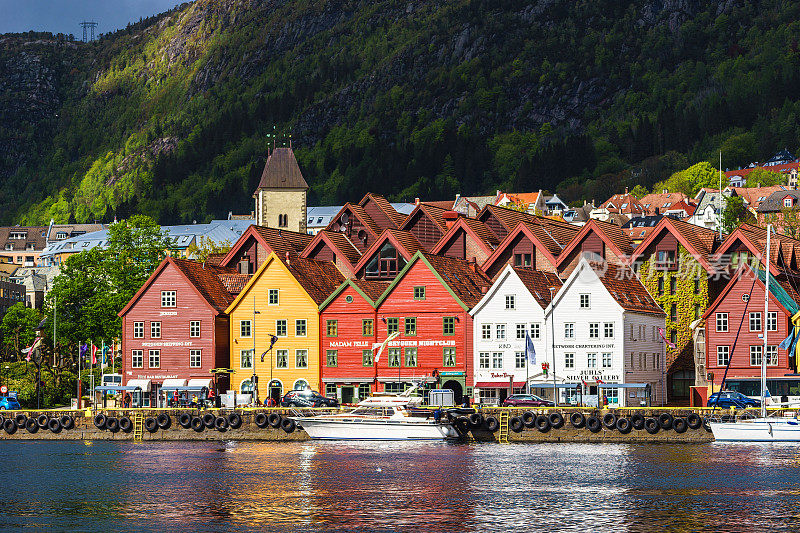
[[602, 241], [428, 304], [387, 256], [257, 242], [466, 238], [427, 223], [335, 247], [175, 330]]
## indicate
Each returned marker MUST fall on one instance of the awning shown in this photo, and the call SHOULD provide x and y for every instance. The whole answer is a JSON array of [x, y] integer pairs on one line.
[[199, 383], [497, 384], [143, 384], [113, 388], [172, 384], [539, 385], [623, 385]]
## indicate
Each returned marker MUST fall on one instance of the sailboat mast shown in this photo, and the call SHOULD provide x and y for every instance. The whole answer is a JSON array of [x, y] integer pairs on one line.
[[766, 322]]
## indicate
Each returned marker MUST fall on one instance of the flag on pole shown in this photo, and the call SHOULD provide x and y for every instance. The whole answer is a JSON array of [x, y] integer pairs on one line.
[[380, 346], [94, 354], [661, 332], [530, 351], [273, 339], [788, 341], [82, 351]]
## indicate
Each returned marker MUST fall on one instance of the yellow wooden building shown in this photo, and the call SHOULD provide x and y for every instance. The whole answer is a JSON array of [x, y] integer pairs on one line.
[[281, 299]]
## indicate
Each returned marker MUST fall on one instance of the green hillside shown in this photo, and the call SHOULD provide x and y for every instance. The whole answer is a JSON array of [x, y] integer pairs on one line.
[[172, 117]]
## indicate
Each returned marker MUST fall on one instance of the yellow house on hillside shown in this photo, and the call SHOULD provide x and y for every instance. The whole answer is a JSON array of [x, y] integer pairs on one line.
[[281, 299]]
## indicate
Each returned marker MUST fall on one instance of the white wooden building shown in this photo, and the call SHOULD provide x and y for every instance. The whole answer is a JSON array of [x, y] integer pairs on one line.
[[513, 306], [605, 329]]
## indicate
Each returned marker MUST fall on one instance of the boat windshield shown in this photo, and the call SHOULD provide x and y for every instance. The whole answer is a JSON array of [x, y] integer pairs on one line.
[[373, 411]]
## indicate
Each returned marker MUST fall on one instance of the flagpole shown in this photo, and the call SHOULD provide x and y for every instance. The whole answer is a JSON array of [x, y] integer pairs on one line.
[[79, 376]]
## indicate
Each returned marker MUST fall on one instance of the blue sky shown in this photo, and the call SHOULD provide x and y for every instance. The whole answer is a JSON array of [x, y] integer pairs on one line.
[[63, 16]]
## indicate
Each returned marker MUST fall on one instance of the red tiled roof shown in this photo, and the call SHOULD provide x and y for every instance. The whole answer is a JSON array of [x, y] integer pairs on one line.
[[342, 244], [318, 278], [623, 285], [206, 279], [657, 201], [755, 195], [539, 283], [384, 205], [467, 284], [631, 203], [373, 289], [447, 205], [234, 283], [786, 167]]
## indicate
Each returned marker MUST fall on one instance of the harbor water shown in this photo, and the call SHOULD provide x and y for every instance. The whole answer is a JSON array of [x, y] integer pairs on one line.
[[336, 486]]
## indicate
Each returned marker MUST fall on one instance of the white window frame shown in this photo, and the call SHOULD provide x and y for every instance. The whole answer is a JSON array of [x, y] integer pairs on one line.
[[484, 360], [137, 354], [569, 360], [270, 294], [486, 332], [285, 324], [155, 329], [169, 298], [520, 361], [722, 322], [278, 355], [249, 332], [723, 355], [500, 332], [138, 330], [772, 321], [594, 330], [511, 301], [245, 357], [755, 320], [298, 354], [194, 328], [607, 359], [304, 323], [195, 358], [521, 331], [584, 301], [569, 330], [151, 354], [497, 360], [536, 330], [591, 360]]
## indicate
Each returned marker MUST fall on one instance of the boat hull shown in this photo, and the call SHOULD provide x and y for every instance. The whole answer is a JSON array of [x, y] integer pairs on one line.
[[759, 430], [375, 430]]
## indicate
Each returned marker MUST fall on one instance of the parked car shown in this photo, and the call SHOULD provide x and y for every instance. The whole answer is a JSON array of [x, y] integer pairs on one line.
[[307, 398], [9, 403], [527, 400], [729, 399]]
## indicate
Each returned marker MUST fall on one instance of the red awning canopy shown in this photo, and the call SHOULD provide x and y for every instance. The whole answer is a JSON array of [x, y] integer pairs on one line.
[[498, 384]]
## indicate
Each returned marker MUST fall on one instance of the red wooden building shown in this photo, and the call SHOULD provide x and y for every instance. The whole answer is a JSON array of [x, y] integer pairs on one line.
[[257, 242], [175, 330], [428, 304], [735, 325], [535, 244], [348, 330]]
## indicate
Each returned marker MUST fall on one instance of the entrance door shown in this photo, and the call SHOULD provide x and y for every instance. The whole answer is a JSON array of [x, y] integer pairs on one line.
[[347, 394], [275, 391], [458, 390]]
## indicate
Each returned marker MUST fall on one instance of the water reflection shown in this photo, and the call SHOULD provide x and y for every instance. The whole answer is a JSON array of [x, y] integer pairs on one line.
[[242, 486]]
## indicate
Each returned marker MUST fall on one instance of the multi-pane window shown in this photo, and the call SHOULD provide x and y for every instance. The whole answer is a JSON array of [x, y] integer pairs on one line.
[[393, 357], [606, 360], [363, 391], [137, 359], [272, 297], [569, 360], [519, 360], [522, 260], [660, 286], [246, 358], [300, 327], [449, 355], [449, 325], [330, 390], [591, 360], [772, 321], [755, 355], [772, 354], [520, 331], [723, 355], [411, 325], [697, 285], [138, 330], [367, 327], [332, 328], [411, 357], [332, 358], [168, 298], [673, 312], [536, 330], [673, 285], [497, 359], [584, 301], [155, 358], [281, 328], [755, 321], [194, 358], [569, 330], [608, 330], [486, 331], [594, 330], [483, 359], [301, 358], [194, 328], [366, 357], [500, 330], [722, 322], [155, 330], [511, 301], [419, 293], [282, 358], [245, 328], [392, 325]]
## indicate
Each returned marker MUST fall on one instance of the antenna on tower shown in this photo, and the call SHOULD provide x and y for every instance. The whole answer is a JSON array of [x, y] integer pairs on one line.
[[88, 25]]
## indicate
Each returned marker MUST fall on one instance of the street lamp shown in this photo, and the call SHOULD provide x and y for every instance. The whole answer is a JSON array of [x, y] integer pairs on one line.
[[553, 342], [254, 380], [5, 374]]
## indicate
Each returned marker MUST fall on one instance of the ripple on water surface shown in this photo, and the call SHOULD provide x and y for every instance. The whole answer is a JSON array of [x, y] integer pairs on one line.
[[188, 486]]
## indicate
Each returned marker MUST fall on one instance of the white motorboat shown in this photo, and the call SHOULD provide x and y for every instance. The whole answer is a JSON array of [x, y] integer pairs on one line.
[[379, 418]]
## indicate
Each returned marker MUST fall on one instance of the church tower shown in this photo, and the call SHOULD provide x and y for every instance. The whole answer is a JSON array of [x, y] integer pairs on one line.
[[281, 193]]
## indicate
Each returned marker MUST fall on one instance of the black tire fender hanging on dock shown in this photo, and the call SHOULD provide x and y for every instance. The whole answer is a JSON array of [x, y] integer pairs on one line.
[[42, 420], [150, 424], [67, 422], [476, 420], [694, 421], [651, 425], [610, 421], [556, 420], [10, 426], [637, 421], [125, 424], [164, 421], [680, 425], [288, 425], [274, 420], [100, 421], [112, 424], [624, 425], [529, 419], [235, 420], [262, 420], [197, 424], [20, 419], [31, 425], [594, 424], [665, 420], [54, 425], [516, 424], [208, 420], [578, 420], [492, 424], [543, 423], [185, 420], [221, 424]]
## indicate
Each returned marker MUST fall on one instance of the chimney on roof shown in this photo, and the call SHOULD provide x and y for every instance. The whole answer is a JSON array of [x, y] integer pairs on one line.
[[665, 191], [484, 289], [473, 265], [626, 190], [450, 218], [416, 201], [287, 259]]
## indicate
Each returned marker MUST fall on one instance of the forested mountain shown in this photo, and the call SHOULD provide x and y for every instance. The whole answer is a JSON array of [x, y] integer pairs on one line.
[[172, 117]]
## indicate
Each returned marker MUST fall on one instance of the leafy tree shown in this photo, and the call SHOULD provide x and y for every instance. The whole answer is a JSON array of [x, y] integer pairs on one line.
[[738, 149], [206, 247], [639, 191], [19, 328], [735, 213], [761, 177], [691, 180]]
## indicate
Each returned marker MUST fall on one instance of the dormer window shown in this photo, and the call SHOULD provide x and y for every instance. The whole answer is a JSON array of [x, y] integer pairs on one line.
[[787, 202], [623, 206], [61, 235], [9, 246], [18, 235], [30, 246], [666, 259]]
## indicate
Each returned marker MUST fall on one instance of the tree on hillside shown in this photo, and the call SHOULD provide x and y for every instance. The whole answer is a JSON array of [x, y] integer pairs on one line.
[[639, 191], [761, 177], [735, 213], [691, 180], [201, 250], [19, 329]]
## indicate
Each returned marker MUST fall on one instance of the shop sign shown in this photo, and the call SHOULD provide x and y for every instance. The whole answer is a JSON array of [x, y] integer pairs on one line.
[[499, 375], [157, 376], [592, 375], [349, 344], [450, 373], [585, 346], [168, 313], [414, 342], [166, 344]]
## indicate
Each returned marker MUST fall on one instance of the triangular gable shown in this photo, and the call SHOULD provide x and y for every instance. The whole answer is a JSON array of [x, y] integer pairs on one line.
[[758, 277], [343, 247], [593, 226], [382, 204], [434, 220], [462, 225], [272, 257], [667, 225], [354, 210], [390, 236], [507, 273], [739, 235], [583, 265], [521, 229], [254, 232], [341, 288]]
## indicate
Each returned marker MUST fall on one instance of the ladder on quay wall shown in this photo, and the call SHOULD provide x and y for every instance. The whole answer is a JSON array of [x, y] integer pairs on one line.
[[138, 426], [503, 437]]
